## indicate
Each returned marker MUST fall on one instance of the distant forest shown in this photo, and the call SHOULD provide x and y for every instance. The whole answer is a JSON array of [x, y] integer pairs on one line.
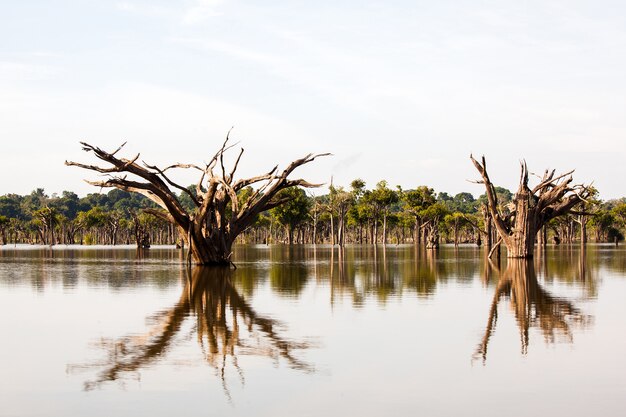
[[344, 215]]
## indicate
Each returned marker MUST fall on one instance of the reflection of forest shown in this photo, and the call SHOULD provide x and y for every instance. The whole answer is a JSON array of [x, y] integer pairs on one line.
[[571, 264], [225, 324], [533, 306], [358, 272], [115, 268]]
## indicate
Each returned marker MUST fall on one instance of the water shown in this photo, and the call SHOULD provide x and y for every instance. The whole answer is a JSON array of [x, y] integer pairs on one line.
[[307, 331]]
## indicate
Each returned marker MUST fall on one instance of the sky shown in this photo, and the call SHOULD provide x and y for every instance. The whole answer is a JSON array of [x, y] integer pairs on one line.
[[402, 91]]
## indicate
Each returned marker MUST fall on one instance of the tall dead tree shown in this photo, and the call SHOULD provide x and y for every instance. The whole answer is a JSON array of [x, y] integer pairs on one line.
[[530, 209], [218, 215]]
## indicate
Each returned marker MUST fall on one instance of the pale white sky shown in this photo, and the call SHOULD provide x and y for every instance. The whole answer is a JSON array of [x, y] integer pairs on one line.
[[396, 90]]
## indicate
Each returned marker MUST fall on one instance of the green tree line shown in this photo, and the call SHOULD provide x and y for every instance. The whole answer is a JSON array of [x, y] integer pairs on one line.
[[355, 214], [384, 214], [112, 218]]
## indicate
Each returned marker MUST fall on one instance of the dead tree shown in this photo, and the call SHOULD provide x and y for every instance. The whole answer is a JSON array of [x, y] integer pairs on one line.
[[530, 209], [218, 216], [431, 228]]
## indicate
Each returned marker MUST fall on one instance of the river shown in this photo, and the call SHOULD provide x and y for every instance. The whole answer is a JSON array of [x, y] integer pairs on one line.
[[312, 331]]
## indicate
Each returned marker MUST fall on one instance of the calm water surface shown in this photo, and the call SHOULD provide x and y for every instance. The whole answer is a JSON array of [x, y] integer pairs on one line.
[[311, 331]]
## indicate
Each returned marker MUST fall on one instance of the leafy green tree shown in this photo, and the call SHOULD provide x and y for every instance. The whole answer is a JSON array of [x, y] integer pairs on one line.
[[16, 227], [455, 221], [34, 201], [294, 211], [357, 187], [45, 219], [619, 213], [444, 198], [94, 200], [416, 202], [67, 205], [362, 212], [11, 206], [585, 211], [464, 203], [434, 215], [340, 202], [4, 223], [185, 198], [503, 195], [382, 198], [602, 223]]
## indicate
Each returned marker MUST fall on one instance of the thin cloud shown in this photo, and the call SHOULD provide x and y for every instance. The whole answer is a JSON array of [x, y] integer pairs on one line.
[[342, 86], [144, 9], [200, 11], [228, 49], [190, 14], [20, 71]]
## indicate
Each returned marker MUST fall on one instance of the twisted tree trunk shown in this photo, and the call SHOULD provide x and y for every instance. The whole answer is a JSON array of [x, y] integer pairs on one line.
[[521, 240], [530, 209], [431, 228]]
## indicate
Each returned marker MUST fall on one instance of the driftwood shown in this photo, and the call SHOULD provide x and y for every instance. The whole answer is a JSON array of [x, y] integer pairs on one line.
[[218, 216], [530, 209]]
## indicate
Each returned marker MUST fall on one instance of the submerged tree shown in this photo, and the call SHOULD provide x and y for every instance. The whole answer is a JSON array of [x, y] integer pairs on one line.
[[434, 214], [531, 209], [218, 216]]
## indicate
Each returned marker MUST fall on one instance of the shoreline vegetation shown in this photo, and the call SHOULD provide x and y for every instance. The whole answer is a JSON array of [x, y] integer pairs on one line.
[[356, 214]]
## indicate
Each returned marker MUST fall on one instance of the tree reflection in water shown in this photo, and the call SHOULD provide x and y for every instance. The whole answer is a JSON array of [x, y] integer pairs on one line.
[[226, 326], [532, 306]]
